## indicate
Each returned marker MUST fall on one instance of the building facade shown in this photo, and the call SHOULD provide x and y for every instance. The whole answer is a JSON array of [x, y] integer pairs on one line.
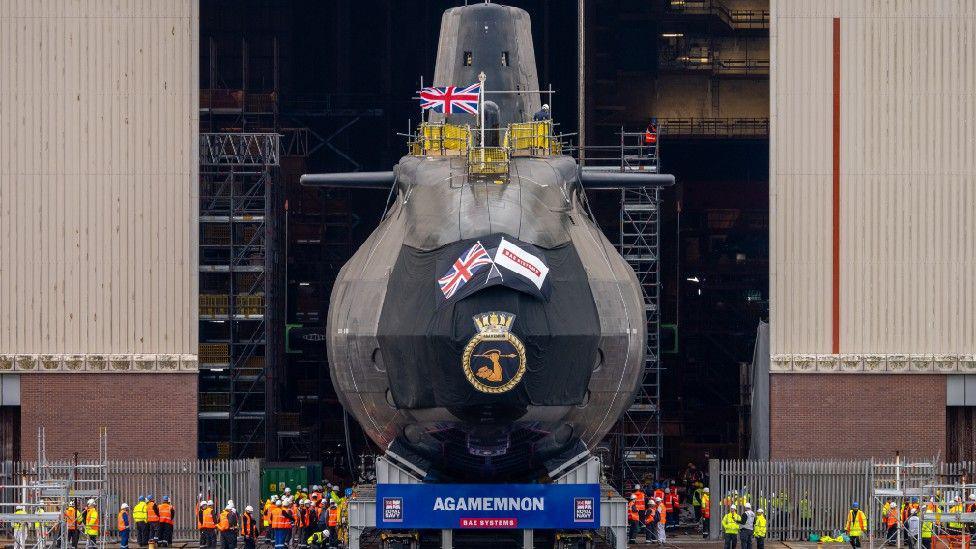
[[873, 237], [98, 226]]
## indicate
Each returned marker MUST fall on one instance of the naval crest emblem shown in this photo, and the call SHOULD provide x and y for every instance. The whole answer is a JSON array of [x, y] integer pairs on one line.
[[494, 358]]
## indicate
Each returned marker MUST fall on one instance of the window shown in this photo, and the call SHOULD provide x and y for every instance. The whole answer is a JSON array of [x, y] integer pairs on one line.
[[468, 59], [504, 58]]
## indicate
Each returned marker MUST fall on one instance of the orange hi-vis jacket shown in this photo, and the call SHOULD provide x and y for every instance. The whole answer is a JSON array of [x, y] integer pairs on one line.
[[632, 513], [671, 500], [207, 521], [123, 515], [165, 513], [278, 519], [223, 524], [247, 526], [333, 519], [659, 493], [892, 518], [196, 513], [152, 512], [71, 518], [640, 500]]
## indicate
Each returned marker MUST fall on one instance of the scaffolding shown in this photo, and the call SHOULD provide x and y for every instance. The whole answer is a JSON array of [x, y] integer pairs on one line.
[[46, 496], [917, 488], [641, 440]]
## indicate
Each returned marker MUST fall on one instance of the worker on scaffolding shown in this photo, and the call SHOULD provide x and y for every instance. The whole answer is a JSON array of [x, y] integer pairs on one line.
[[957, 528], [124, 524], [71, 524], [928, 522], [856, 525], [650, 133], [90, 519]]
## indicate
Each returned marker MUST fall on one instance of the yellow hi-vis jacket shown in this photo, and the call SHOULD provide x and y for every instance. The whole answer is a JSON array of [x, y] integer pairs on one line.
[[139, 512], [857, 523], [760, 526], [730, 522]]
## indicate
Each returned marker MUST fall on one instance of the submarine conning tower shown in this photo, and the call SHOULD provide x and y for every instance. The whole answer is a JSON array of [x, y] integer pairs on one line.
[[496, 40]]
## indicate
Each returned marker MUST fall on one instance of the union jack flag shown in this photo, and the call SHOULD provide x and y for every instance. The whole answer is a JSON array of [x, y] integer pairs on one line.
[[451, 99], [464, 269]]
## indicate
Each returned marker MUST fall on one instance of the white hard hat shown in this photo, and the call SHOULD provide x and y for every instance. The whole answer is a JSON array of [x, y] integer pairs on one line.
[[229, 506], [633, 496], [203, 502], [91, 502], [545, 106], [287, 490], [230, 502], [705, 490], [733, 507], [748, 505], [249, 509], [20, 507], [325, 533], [657, 499], [124, 506], [209, 502], [972, 496], [760, 511], [637, 487]]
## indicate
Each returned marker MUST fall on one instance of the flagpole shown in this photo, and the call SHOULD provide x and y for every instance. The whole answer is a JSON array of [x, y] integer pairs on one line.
[[481, 105]]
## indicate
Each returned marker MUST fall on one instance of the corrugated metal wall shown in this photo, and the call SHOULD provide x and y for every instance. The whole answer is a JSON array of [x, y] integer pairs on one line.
[[98, 164], [907, 176]]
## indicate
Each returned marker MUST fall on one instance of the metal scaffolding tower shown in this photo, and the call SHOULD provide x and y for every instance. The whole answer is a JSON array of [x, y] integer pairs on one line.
[[46, 495], [236, 178], [640, 427]]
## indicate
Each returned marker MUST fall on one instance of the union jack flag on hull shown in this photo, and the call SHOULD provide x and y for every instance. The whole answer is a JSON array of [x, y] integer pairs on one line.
[[451, 99], [464, 269]]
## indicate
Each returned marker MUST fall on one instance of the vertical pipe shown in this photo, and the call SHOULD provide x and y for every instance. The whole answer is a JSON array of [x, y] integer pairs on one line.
[[581, 74], [835, 287]]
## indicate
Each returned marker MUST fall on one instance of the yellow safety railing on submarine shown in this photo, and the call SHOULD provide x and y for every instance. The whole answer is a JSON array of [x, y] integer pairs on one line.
[[435, 139], [531, 139]]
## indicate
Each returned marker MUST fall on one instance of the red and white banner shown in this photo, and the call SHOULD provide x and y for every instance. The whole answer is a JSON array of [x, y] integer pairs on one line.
[[515, 259]]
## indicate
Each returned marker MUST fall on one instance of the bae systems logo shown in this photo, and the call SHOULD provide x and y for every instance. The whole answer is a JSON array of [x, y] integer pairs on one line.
[[494, 359]]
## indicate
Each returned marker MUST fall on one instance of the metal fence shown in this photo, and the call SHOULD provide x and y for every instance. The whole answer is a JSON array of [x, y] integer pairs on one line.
[[812, 497], [182, 481]]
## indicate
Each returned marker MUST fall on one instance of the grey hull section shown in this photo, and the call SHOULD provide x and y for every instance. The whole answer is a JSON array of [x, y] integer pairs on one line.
[[437, 204]]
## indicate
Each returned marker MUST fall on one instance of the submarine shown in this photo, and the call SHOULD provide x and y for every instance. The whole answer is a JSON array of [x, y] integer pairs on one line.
[[486, 330]]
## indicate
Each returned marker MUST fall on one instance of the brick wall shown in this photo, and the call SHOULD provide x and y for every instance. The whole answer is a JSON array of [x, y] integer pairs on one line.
[[838, 416], [149, 416]]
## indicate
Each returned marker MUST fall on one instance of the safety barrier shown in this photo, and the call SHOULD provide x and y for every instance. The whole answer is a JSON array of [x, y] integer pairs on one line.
[[801, 498], [531, 138], [182, 481], [488, 160], [441, 139]]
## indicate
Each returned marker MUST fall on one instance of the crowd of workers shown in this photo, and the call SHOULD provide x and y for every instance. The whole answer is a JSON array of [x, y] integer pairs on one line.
[[914, 521], [308, 518]]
